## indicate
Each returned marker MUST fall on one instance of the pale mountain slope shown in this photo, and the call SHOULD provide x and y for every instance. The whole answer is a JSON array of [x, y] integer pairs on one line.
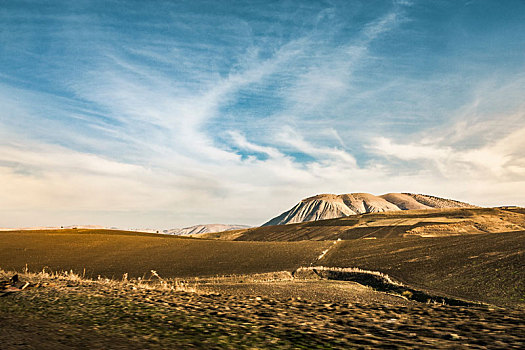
[[312, 209], [362, 203], [404, 201], [209, 228], [331, 206], [436, 202]]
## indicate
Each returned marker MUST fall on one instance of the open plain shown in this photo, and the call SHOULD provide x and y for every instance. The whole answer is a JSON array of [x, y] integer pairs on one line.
[[111, 254], [367, 281]]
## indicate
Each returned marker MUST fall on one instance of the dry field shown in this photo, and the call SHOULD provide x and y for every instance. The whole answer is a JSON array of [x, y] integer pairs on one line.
[[466, 253], [114, 253], [217, 294], [488, 267], [66, 312]]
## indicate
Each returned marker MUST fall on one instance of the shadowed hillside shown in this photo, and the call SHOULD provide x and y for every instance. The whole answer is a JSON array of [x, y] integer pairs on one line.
[[467, 252], [424, 223], [486, 267], [473, 265]]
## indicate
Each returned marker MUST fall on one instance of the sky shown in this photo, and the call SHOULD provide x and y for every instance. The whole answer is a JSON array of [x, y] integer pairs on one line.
[[164, 114]]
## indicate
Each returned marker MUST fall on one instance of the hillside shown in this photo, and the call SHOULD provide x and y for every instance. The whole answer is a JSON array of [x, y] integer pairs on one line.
[[112, 253], [480, 267], [485, 267], [330, 206], [406, 223], [209, 228]]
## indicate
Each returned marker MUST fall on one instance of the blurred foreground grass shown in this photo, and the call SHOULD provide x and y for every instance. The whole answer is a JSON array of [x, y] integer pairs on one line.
[[66, 311]]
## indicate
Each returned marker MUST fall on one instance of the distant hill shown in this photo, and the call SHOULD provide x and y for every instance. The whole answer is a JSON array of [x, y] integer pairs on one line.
[[331, 206], [42, 228], [198, 229]]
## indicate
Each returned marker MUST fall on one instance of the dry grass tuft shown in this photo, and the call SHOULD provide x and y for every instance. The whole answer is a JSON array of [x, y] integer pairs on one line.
[[154, 282], [383, 276]]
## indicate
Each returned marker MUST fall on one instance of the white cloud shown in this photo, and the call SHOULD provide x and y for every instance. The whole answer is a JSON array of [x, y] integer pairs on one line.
[[153, 160], [502, 160], [330, 79], [292, 138]]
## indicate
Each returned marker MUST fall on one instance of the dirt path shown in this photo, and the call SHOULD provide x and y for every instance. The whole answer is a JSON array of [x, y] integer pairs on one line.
[[324, 252]]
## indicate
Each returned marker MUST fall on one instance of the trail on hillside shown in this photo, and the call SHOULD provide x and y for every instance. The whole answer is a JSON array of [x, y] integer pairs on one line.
[[324, 252]]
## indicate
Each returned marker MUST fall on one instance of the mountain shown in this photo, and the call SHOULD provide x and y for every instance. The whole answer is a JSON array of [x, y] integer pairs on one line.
[[331, 206], [210, 228]]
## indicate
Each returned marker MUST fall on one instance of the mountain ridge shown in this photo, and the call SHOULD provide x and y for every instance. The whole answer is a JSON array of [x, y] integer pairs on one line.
[[332, 206], [205, 228]]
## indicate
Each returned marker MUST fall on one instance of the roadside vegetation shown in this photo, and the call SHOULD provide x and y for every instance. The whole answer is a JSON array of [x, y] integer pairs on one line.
[[64, 310]]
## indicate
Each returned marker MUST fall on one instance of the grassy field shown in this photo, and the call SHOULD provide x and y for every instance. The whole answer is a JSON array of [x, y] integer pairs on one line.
[[113, 253], [64, 312]]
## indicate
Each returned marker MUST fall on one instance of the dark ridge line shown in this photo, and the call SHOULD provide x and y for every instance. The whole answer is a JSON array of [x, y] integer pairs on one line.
[[383, 283]]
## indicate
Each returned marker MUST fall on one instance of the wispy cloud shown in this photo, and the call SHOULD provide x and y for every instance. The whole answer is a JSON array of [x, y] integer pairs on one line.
[[502, 160], [181, 113]]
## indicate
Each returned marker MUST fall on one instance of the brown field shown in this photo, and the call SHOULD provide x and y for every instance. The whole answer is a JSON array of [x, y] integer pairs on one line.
[[480, 267], [488, 267], [465, 253], [113, 253], [219, 293]]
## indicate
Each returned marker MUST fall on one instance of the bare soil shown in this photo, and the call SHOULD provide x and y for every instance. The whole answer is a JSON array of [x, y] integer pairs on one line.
[[481, 267], [113, 253], [488, 268], [255, 307]]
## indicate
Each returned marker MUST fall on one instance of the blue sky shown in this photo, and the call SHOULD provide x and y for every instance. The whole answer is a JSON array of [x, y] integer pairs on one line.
[[171, 113]]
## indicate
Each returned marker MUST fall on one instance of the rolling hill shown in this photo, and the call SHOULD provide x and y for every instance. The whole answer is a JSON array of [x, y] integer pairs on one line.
[[112, 253], [198, 229], [401, 223], [330, 206], [484, 267]]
